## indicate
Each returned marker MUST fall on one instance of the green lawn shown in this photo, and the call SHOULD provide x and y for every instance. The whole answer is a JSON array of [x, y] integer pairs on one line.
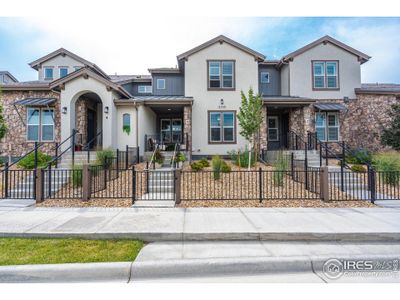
[[21, 251]]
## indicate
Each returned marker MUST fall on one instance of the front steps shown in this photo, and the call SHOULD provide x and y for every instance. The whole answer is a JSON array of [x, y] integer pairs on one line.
[[81, 157]]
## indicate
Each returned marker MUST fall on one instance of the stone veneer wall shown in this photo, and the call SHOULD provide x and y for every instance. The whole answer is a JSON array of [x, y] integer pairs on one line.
[[14, 143], [264, 129], [81, 120], [187, 124]]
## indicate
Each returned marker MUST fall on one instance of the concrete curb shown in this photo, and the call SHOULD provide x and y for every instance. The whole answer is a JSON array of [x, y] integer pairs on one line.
[[221, 236], [139, 271], [74, 272]]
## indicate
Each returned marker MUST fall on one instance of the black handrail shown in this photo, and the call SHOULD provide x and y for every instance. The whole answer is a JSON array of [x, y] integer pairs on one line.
[[176, 154], [37, 146], [72, 146], [87, 146]]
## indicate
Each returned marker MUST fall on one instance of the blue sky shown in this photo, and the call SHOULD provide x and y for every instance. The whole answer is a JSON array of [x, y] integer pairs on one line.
[[126, 46]]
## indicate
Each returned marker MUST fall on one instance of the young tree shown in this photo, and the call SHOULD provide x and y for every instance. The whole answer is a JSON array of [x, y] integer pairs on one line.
[[391, 135], [250, 117], [3, 126]]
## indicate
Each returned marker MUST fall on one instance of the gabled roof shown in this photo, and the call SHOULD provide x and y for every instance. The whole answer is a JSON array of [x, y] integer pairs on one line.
[[26, 86], [123, 79], [88, 72], [9, 75], [35, 64], [222, 39], [327, 39]]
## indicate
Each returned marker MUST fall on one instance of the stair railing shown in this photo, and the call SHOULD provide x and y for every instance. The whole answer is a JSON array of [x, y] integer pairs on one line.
[[72, 139], [88, 144], [152, 160], [174, 156]]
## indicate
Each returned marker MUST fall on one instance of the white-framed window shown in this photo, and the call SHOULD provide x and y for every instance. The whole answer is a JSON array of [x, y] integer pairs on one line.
[[327, 126], [264, 76], [273, 128], [40, 124], [48, 73], [221, 74], [160, 84], [145, 89], [63, 71], [222, 127], [325, 74]]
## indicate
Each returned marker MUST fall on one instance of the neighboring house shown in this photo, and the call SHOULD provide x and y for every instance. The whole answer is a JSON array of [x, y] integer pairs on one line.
[[316, 88], [6, 77]]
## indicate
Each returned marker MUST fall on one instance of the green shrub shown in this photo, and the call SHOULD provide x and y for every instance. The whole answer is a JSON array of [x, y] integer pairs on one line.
[[280, 165], [196, 166], [241, 157], [204, 162], [216, 166], [104, 157], [76, 178], [181, 157], [225, 168], [28, 162], [359, 156], [389, 163], [358, 168]]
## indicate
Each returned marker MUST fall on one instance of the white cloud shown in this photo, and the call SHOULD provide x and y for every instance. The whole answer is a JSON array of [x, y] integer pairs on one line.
[[380, 40]]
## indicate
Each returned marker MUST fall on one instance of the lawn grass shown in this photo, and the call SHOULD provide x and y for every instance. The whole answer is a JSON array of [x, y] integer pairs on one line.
[[21, 251]]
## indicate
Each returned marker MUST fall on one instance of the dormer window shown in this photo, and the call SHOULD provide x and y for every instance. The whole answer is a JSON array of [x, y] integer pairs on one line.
[[63, 71], [325, 75], [221, 75], [48, 73]]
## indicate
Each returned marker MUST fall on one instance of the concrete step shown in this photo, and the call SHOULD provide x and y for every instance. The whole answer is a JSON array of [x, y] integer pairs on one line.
[[158, 196]]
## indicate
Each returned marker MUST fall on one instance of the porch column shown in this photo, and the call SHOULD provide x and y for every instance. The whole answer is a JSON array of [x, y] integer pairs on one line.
[[263, 129], [187, 127], [308, 115]]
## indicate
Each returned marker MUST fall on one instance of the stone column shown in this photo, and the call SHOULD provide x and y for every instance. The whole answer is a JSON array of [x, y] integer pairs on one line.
[[187, 127], [308, 115], [263, 129]]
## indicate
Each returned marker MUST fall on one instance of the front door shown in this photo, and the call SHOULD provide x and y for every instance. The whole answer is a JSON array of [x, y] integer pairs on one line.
[[91, 127], [273, 133], [171, 131]]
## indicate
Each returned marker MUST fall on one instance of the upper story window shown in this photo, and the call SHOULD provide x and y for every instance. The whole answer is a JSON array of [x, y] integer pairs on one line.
[[63, 71], [160, 84], [264, 77], [145, 89], [48, 73], [325, 74], [221, 74], [40, 124]]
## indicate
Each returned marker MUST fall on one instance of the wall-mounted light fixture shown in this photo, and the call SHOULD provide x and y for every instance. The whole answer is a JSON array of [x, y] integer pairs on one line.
[[345, 99], [106, 110], [222, 101], [64, 110]]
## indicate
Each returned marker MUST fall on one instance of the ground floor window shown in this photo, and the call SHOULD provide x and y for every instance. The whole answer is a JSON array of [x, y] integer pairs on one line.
[[40, 124], [327, 126], [222, 127]]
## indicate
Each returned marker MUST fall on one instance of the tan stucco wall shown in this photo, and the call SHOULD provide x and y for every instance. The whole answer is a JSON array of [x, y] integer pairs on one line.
[[147, 123], [124, 138], [56, 62], [285, 80], [246, 71], [301, 73]]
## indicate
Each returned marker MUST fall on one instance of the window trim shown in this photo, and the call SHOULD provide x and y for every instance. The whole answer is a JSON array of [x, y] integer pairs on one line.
[[266, 82], [325, 88], [157, 83], [277, 128], [221, 88], [40, 138], [44, 73], [145, 92], [221, 142], [326, 127], [59, 71]]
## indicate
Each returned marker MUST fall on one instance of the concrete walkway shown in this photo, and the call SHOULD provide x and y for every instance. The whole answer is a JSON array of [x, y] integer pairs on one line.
[[176, 224]]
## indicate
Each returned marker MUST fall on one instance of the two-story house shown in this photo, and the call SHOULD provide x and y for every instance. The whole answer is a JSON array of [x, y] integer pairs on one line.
[[316, 88]]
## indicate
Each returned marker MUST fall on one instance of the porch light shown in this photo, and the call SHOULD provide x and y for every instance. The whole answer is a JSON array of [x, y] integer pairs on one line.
[[64, 110], [222, 101], [106, 109]]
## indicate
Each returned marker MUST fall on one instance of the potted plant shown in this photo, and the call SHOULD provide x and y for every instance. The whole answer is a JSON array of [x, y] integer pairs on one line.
[[180, 159], [158, 158]]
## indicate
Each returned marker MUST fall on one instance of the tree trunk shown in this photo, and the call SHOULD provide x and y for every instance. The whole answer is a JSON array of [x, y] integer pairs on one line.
[[249, 155]]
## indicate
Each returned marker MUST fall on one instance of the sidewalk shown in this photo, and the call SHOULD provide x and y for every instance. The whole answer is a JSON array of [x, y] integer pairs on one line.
[[176, 224]]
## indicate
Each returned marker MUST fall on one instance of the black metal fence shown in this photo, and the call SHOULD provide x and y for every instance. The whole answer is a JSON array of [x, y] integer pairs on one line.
[[62, 183], [17, 184]]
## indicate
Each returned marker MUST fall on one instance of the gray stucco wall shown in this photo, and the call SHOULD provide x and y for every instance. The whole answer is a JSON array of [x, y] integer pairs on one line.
[[273, 88], [174, 85]]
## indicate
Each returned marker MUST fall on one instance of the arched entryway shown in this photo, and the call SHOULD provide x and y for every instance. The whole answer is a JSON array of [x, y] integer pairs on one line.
[[88, 121]]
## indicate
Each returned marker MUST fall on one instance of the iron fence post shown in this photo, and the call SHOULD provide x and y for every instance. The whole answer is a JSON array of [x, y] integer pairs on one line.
[[292, 164], [343, 151], [133, 185], [320, 153], [296, 137], [145, 143], [326, 153], [137, 155], [316, 140], [6, 180], [147, 176], [306, 165], [35, 168], [73, 146], [260, 182], [342, 175], [126, 157], [105, 168], [49, 179]]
